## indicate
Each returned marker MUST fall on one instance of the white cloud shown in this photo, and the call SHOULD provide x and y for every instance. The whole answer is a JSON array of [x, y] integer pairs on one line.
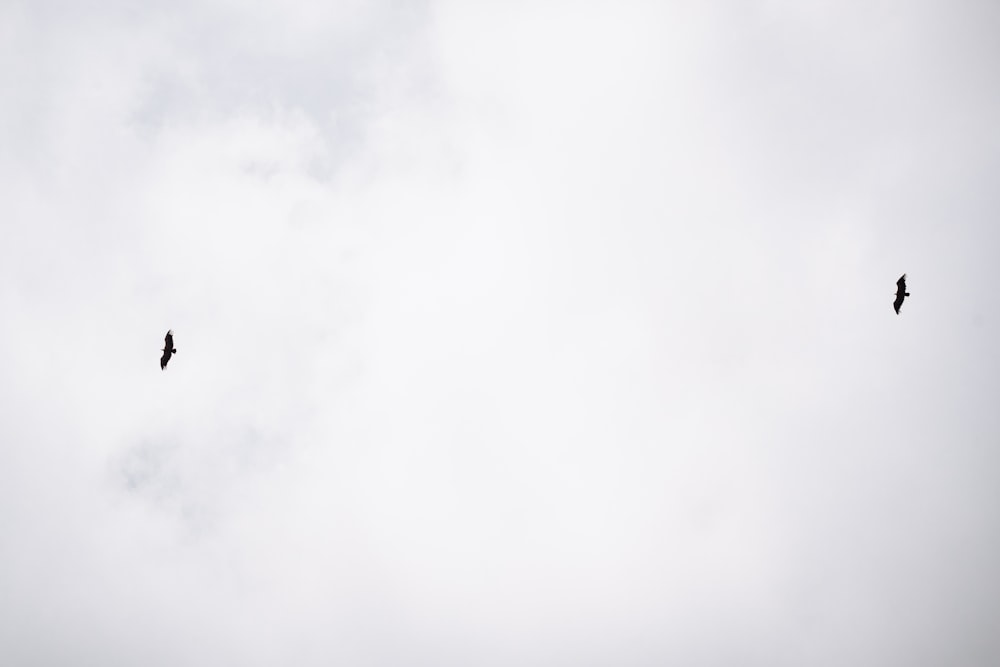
[[506, 334]]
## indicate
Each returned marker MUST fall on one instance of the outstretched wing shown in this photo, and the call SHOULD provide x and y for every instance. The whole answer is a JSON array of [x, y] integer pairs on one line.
[[168, 349], [900, 293]]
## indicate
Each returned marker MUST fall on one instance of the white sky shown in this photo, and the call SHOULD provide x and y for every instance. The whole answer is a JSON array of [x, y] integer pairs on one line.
[[521, 333]]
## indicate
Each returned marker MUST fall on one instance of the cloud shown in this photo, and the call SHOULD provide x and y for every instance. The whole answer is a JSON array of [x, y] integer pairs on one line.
[[506, 334]]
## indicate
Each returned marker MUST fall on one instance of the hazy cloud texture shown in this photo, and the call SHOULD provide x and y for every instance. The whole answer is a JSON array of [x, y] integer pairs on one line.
[[508, 333]]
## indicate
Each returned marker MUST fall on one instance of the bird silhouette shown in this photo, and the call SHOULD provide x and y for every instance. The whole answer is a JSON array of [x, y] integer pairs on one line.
[[168, 349], [901, 293]]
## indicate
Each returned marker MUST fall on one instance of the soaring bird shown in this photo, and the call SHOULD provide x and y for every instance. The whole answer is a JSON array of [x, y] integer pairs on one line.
[[168, 349], [901, 293]]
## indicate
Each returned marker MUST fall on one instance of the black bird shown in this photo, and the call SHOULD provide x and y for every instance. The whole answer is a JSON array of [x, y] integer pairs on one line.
[[168, 349], [901, 293]]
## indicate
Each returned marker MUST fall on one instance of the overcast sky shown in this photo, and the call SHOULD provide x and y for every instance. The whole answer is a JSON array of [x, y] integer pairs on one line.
[[509, 333]]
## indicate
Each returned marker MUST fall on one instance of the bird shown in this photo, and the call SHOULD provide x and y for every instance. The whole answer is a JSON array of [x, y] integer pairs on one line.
[[901, 293], [168, 349]]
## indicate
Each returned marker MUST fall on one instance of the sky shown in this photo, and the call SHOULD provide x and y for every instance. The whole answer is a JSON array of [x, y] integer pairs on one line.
[[521, 333]]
